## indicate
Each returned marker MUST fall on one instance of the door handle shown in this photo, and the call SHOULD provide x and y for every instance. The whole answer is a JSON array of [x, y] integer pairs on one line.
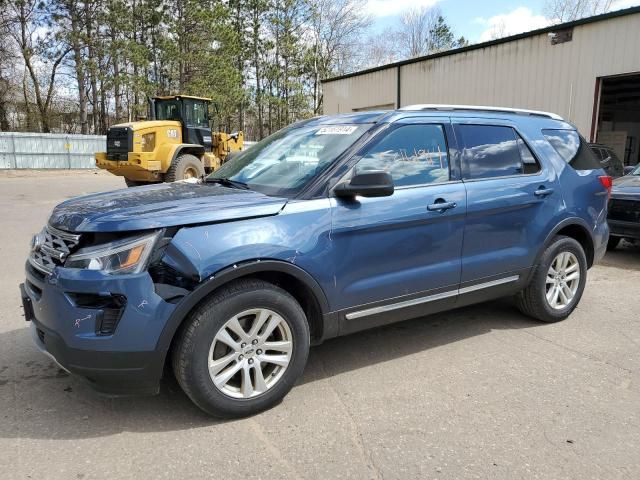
[[543, 191], [440, 206]]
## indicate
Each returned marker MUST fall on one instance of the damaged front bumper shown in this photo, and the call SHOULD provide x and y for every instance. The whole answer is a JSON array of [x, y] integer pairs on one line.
[[114, 345]]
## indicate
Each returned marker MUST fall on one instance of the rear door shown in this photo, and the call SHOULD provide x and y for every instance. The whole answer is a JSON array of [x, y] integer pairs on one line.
[[511, 198], [402, 251]]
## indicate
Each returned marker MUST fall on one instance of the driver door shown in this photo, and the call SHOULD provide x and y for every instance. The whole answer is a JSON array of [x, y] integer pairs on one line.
[[399, 256]]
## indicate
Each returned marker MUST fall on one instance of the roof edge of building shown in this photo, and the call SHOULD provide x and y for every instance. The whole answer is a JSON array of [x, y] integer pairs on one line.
[[477, 46]]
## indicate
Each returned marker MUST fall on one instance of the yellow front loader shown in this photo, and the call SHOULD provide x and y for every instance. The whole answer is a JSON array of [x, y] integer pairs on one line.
[[176, 144]]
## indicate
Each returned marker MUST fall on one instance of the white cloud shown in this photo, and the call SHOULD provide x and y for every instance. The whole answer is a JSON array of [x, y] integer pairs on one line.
[[522, 19], [620, 4], [389, 8]]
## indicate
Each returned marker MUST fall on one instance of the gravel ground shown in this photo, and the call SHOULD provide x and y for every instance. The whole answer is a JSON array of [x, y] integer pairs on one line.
[[480, 392]]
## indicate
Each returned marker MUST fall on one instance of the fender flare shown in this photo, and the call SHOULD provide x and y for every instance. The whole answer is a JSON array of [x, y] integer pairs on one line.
[[225, 276], [187, 146], [570, 221]]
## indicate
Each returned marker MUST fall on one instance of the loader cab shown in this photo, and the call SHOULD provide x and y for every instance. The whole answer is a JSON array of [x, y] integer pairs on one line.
[[191, 112]]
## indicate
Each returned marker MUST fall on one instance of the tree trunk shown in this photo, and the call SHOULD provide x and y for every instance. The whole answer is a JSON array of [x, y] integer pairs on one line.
[[91, 60], [256, 63], [79, 68], [117, 95], [4, 117], [104, 123]]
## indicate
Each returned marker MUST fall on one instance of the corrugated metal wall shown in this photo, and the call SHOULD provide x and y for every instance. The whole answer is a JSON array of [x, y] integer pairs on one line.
[[361, 92], [526, 73], [40, 150]]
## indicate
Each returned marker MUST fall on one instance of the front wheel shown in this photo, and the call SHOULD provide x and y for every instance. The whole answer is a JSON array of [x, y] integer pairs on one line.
[[242, 350], [184, 167], [557, 282]]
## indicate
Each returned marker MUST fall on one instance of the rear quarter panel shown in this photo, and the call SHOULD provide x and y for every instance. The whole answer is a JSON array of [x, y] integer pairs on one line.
[[584, 197]]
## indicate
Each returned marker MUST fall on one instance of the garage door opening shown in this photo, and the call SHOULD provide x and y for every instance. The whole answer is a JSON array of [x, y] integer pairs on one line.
[[618, 116]]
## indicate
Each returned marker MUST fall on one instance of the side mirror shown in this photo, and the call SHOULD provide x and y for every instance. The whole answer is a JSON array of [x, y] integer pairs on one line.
[[372, 183]]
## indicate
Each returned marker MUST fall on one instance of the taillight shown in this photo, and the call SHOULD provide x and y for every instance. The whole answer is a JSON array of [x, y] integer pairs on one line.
[[607, 182]]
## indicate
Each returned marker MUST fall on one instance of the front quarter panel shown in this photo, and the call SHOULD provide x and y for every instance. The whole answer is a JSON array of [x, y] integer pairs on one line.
[[300, 235]]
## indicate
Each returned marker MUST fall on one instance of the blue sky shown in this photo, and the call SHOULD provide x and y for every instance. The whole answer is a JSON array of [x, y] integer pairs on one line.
[[476, 19]]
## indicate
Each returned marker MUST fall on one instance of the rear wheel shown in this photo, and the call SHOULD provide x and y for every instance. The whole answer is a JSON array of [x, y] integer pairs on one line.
[[613, 243], [557, 282], [242, 350], [184, 167]]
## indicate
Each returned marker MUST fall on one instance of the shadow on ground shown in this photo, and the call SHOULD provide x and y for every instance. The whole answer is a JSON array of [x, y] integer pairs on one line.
[[41, 401], [626, 256]]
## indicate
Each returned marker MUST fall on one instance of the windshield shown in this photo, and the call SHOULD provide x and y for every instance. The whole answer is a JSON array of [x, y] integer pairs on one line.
[[195, 114], [636, 171], [285, 162]]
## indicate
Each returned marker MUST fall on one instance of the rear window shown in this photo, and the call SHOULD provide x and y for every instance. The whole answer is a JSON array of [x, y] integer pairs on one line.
[[572, 148], [492, 151]]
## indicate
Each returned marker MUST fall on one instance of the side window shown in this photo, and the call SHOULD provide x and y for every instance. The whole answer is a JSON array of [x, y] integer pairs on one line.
[[492, 151], [572, 148], [529, 163], [412, 154]]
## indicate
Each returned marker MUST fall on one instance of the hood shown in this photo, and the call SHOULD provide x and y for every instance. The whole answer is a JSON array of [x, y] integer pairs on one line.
[[161, 205], [627, 186]]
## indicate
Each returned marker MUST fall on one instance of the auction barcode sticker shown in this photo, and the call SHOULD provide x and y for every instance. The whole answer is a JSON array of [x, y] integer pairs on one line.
[[337, 130]]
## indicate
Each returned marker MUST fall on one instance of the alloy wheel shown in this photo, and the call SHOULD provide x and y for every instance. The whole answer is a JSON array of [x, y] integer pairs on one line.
[[563, 279], [250, 353]]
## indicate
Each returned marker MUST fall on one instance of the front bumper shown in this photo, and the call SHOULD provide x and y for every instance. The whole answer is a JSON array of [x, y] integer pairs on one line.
[[128, 361], [620, 228]]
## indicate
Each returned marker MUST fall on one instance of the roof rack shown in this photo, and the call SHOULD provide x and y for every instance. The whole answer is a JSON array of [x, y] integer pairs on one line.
[[517, 111]]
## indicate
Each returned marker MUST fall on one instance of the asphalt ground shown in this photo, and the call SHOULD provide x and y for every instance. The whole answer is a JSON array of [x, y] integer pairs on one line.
[[480, 392]]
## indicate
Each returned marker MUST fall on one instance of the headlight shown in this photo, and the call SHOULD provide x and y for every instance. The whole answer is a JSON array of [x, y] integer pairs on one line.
[[148, 142], [125, 256]]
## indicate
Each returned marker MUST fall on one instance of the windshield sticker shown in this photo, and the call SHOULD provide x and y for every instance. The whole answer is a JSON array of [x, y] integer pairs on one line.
[[337, 130]]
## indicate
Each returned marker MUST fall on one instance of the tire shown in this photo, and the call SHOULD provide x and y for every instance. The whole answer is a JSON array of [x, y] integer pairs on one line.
[[184, 166], [613, 243], [198, 342], [134, 183], [532, 301]]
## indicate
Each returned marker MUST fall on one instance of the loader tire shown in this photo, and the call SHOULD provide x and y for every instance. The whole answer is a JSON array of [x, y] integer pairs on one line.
[[183, 167]]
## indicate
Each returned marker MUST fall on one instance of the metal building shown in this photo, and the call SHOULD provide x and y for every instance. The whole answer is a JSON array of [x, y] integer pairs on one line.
[[588, 71]]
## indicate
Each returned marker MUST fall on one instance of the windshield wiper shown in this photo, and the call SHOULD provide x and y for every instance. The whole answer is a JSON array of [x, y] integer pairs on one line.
[[229, 183]]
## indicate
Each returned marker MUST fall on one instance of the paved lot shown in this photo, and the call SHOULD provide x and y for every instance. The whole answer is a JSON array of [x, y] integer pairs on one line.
[[481, 392]]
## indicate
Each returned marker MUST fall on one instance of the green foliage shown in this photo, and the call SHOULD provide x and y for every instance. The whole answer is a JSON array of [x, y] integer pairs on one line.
[[261, 61]]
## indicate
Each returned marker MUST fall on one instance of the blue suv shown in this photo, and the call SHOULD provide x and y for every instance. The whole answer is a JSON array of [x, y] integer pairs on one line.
[[329, 226]]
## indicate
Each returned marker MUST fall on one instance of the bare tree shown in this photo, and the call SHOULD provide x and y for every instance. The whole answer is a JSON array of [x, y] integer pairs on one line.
[[336, 26], [381, 48], [415, 27], [7, 62], [42, 56], [498, 30], [568, 10]]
